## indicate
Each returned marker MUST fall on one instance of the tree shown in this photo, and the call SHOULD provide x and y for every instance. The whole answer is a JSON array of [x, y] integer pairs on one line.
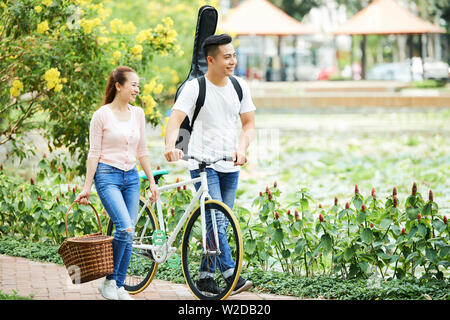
[[55, 59], [297, 8]]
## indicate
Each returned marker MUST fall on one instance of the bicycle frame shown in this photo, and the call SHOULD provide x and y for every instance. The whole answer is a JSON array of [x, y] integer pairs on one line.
[[166, 250]]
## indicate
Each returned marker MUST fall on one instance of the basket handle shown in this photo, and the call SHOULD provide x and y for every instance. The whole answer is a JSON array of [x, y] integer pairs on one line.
[[98, 219]]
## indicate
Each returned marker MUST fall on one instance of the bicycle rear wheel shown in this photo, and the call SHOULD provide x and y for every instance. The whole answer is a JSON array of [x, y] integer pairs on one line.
[[197, 265], [142, 266]]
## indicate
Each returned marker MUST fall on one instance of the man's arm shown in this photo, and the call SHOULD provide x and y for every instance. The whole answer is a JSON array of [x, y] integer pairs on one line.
[[172, 130], [246, 136]]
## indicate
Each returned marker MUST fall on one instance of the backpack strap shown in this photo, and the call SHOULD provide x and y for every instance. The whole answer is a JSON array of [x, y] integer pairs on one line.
[[237, 87], [200, 99]]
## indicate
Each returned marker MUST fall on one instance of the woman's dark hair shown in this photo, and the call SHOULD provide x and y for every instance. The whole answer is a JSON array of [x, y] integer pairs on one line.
[[118, 75], [211, 44]]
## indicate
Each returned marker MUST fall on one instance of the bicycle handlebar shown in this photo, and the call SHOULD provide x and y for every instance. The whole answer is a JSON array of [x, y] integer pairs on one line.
[[209, 161]]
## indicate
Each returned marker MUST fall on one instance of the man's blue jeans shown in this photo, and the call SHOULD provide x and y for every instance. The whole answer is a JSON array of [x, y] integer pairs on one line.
[[222, 186], [119, 192]]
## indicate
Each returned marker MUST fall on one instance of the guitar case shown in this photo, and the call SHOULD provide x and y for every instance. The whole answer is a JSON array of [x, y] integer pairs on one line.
[[206, 26]]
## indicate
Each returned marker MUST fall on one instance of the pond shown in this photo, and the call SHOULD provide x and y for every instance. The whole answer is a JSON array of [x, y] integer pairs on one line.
[[328, 151]]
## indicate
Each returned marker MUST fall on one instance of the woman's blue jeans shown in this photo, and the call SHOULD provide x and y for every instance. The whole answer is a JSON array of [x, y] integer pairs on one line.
[[222, 186], [119, 192]]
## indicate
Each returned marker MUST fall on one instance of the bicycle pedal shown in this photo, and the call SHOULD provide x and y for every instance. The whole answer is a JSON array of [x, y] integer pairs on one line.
[[174, 261], [159, 237]]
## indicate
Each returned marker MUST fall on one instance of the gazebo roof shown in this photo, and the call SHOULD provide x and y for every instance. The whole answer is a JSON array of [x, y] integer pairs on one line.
[[386, 17], [260, 17]]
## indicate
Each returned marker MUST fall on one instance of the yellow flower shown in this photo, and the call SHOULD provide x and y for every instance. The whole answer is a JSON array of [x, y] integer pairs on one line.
[[144, 35], [42, 27], [148, 88], [164, 126], [38, 9], [53, 80], [115, 25], [17, 84], [47, 2], [117, 55], [159, 28], [158, 89], [149, 103], [136, 50], [128, 28], [168, 22], [180, 53], [14, 91], [102, 40]]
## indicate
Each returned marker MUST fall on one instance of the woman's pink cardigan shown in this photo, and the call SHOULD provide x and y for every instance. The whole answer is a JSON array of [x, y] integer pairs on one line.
[[109, 144]]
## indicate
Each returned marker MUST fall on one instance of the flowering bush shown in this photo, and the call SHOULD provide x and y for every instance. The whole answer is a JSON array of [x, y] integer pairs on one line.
[[55, 59], [358, 239]]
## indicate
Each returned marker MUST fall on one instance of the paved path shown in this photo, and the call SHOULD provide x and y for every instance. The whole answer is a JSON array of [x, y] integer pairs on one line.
[[49, 281]]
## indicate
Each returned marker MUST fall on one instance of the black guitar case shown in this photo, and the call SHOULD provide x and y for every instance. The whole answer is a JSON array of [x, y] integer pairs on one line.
[[206, 26]]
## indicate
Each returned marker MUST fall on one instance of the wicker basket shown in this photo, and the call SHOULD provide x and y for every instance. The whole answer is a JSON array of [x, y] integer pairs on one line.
[[87, 257]]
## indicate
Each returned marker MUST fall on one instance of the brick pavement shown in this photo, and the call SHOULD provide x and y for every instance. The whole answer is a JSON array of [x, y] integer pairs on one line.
[[49, 281]]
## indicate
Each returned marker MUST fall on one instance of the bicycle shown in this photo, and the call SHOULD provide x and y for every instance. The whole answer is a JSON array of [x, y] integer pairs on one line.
[[151, 245]]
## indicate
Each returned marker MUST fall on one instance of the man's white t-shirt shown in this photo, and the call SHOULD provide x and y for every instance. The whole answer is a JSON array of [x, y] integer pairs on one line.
[[215, 131]]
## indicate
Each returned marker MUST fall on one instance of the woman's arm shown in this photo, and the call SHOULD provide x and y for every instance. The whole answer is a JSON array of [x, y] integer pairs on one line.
[[146, 165], [83, 197]]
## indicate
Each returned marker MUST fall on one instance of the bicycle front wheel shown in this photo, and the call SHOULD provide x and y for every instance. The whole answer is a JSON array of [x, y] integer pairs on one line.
[[223, 266], [142, 267]]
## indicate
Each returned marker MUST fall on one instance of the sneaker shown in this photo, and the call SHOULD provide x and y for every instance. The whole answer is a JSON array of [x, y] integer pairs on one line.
[[208, 286], [123, 294], [241, 285], [108, 289]]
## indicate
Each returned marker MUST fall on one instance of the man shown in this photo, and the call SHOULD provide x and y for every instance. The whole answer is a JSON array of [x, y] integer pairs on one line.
[[214, 132]]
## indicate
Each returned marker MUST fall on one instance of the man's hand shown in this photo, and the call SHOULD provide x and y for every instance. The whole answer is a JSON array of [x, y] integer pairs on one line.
[[239, 158], [173, 154]]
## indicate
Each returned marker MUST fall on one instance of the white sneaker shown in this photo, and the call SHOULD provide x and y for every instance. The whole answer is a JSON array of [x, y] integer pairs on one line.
[[123, 294], [108, 289]]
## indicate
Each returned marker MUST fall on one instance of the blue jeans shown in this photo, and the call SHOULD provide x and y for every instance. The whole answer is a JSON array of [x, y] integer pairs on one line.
[[119, 192], [222, 186]]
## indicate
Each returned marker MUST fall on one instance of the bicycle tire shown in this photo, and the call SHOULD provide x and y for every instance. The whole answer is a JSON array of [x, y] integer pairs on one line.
[[140, 272], [192, 243]]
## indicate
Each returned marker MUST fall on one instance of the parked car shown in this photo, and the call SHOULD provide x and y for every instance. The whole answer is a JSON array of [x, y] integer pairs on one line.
[[437, 70]]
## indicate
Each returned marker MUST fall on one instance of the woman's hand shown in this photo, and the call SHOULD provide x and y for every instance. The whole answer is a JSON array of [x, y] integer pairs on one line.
[[154, 193], [83, 196]]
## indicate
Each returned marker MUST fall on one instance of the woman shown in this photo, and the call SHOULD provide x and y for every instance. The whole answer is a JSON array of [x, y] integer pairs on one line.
[[117, 138]]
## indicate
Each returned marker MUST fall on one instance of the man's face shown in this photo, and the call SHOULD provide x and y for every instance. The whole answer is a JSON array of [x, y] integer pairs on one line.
[[225, 60]]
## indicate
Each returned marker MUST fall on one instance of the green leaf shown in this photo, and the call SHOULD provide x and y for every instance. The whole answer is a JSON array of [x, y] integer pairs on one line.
[[412, 213], [361, 217], [278, 235], [422, 230], [286, 253], [326, 242], [300, 245], [438, 225], [358, 203], [411, 256], [385, 223], [431, 254], [348, 253], [367, 235], [298, 225], [250, 246]]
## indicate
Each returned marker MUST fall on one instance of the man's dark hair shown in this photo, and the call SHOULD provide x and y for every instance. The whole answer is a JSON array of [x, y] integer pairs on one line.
[[211, 44]]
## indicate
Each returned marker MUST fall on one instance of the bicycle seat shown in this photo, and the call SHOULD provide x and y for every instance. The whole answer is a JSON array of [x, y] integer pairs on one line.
[[156, 174]]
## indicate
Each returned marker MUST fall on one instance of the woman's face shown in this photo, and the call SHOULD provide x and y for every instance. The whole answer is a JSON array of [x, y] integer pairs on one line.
[[130, 89]]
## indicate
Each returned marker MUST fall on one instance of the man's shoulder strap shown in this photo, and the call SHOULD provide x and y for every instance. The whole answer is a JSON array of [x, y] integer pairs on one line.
[[237, 87], [200, 99]]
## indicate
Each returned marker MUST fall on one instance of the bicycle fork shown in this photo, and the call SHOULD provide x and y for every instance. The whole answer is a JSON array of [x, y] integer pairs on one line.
[[205, 194]]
